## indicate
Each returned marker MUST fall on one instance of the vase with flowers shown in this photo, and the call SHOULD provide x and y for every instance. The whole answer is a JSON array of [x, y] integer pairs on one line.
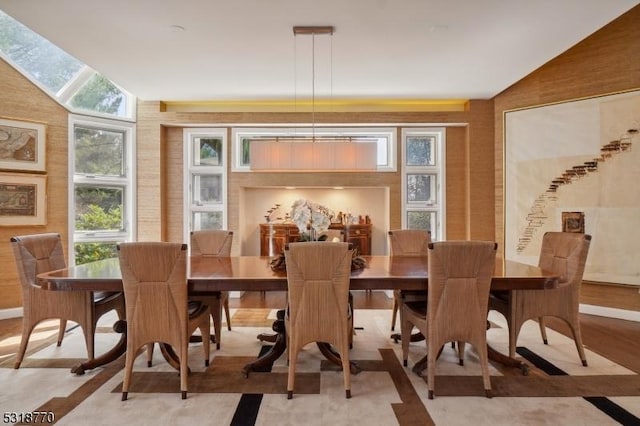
[[312, 220]]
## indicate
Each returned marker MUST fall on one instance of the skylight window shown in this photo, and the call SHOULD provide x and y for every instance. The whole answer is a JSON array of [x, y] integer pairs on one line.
[[66, 79]]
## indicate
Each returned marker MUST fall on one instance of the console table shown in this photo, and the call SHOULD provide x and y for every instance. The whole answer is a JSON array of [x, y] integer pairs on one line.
[[274, 237]]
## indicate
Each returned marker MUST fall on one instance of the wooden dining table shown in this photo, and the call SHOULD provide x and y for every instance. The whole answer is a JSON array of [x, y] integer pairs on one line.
[[209, 275]]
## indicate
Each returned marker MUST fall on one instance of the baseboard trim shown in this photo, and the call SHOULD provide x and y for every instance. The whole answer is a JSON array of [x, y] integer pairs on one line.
[[10, 313], [603, 311]]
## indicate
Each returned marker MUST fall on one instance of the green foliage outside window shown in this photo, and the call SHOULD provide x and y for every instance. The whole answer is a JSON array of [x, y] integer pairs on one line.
[[100, 95], [43, 61], [90, 252], [97, 218]]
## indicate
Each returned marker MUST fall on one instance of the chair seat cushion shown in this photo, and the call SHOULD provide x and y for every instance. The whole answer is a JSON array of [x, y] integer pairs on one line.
[[105, 296], [417, 307], [195, 308]]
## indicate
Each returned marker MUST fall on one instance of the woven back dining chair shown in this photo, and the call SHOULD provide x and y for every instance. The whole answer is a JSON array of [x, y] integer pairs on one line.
[[407, 242], [460, 275], [39, 253], [214, 243], [565, 254], [154, 276], [318, 276]]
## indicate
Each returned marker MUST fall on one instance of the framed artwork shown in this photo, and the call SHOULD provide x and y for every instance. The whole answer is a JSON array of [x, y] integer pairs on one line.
[[22, 145], [23, 199], [573, 222], [421, 188], [568, 161], [420, 150]]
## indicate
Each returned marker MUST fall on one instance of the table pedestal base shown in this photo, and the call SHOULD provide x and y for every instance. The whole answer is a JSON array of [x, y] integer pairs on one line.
[[114, 353], [279, 341]]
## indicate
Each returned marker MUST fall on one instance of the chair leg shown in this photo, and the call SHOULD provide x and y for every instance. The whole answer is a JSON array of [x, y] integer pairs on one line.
[[543, 330], [293, 357], [346, 371], [484, 364], [27, 328], [405, 332], [461, 353], [514, 331], [205, 332], [216, 314], [394, 313], [89, 334], [62, 330], [226, 313], [150, 354], [431, 369], [130, 357], [184, 367], [577, 338]]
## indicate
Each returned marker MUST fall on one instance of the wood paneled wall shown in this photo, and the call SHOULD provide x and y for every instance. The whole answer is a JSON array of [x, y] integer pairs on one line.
[[606, 62]]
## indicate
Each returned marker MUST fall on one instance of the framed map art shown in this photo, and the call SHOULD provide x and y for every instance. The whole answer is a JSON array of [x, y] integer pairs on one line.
[[22, 145], [22, 199]]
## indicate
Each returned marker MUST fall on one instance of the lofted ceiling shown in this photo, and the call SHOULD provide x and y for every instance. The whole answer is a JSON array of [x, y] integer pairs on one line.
[[245, 50]]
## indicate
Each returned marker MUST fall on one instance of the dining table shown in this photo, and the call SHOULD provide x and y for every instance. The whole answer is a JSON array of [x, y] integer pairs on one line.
[[208, 275]]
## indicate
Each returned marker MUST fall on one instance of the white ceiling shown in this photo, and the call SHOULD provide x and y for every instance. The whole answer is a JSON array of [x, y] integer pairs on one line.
[[381, 49]]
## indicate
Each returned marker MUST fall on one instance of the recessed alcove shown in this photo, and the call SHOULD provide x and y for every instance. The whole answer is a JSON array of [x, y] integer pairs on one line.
[[254, 202]]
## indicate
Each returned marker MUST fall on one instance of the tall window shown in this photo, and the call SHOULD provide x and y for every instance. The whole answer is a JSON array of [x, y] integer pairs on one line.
[[205, 185], [423, 180], [101, 195]]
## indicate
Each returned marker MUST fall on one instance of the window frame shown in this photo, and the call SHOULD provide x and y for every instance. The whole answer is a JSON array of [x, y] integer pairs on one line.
[[436, 169], [191, 170], [239, 133], [127, 182]]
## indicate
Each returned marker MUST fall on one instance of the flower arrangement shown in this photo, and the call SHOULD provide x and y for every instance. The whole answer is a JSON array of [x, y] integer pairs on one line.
[[311, 218]]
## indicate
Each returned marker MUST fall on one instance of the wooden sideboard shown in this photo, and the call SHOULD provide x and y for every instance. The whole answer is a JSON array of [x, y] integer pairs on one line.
[[274, 237]]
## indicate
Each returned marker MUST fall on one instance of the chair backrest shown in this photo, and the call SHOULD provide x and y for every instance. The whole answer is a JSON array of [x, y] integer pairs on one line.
[[318, 275], [154, 277], [215, 242], [409, 242], [565, 253], [36, 254], [460, 275]]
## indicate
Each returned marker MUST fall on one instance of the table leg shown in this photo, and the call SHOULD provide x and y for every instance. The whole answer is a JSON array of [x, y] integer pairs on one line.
[[492, 354], [279, 347], [333, 356], [507, 361], [114, 353], [415, 337]]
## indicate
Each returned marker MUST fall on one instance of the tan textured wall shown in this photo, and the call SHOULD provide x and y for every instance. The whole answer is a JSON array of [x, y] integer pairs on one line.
[[21, 100], [606, 62], [460, 222]]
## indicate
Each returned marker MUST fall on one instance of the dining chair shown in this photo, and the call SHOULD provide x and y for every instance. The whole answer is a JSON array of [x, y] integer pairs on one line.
[[154, 277], [318, 275], [460, 275], [565, 254], [214, 243], [407, 242], [40, 253]]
